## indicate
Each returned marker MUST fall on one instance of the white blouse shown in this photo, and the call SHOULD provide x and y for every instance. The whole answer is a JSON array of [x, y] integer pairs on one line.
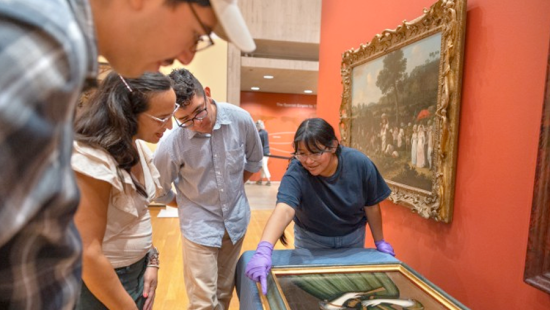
[[128, 235]]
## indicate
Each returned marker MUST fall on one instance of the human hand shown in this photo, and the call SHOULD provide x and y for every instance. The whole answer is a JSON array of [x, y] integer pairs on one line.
[[384, 247], [150, 281], [260, 264]]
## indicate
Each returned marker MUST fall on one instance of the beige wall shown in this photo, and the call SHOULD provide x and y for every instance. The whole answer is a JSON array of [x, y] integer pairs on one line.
[[283, 20], [210, 68]]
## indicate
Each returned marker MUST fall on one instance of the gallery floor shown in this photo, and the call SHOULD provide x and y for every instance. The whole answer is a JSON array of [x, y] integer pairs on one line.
[[167, 237]]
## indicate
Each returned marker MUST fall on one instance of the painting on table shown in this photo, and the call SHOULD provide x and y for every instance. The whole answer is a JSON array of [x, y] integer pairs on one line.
[[391, 286]]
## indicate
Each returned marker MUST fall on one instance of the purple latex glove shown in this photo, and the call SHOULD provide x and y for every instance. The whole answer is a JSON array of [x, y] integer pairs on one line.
[[260, 264], [384, 247]]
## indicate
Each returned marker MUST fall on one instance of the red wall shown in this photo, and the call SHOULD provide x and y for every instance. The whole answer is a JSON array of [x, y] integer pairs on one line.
[[281, 114], [479, 258]]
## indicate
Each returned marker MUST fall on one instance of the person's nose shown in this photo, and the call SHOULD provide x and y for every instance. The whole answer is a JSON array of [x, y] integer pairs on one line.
[[169, 123], [186, 56]]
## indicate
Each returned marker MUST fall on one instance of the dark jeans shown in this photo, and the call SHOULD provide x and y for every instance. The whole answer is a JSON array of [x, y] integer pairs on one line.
[[131, 278]]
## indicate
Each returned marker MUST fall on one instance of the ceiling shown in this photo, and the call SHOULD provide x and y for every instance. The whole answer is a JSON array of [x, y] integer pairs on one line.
[[294, 67], [284, 80]]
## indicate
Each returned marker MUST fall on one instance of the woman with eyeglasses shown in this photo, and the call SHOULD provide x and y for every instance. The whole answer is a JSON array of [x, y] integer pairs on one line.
[[330, 192], [117, 180]]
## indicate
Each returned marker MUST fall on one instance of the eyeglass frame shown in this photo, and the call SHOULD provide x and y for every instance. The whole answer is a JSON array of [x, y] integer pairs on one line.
[[163, 120], [192, 120], [201, 38], [312, 156]]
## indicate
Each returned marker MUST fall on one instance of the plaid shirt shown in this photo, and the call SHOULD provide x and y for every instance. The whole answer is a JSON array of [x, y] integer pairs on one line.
[[47, 52]]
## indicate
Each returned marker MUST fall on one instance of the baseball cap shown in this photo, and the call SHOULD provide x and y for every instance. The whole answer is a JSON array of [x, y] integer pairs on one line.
[[231, 25]]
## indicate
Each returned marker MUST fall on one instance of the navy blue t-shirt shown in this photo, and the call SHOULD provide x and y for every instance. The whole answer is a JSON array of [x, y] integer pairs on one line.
[[333, 206]]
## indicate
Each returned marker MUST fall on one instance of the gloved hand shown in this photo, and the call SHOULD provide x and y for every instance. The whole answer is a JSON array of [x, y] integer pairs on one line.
[[260, 264], [384, 247]]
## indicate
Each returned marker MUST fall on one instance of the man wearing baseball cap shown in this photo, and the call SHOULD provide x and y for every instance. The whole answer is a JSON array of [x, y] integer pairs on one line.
[[143, 35], [48, 55]]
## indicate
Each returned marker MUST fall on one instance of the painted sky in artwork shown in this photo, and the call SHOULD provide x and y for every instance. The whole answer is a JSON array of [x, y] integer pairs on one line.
[[364, 89]]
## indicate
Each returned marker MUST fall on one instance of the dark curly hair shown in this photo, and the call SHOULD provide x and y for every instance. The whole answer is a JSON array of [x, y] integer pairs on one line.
[[186, 86], [109, 120]]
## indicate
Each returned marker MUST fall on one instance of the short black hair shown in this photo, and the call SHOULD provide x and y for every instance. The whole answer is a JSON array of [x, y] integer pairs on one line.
[[316, 134]]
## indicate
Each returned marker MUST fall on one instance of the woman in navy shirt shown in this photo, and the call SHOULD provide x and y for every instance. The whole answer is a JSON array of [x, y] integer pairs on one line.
[[330, 192]]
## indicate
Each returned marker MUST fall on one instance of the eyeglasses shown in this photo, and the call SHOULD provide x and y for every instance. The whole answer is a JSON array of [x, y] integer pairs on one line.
[[204, 41], [313, 156], [199, 115], [163, 120]]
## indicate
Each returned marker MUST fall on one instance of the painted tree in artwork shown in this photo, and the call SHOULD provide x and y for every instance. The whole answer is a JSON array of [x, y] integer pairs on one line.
[[392, 76]]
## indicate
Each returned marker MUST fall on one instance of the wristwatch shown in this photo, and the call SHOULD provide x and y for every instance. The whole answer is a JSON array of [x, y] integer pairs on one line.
[[153, 258]]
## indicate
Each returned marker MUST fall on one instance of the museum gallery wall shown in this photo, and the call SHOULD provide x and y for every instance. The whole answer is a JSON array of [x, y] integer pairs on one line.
[[478, 258]]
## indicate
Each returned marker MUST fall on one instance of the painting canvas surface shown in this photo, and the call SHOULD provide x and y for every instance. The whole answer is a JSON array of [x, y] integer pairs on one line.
[[393, 101], [356, 289]]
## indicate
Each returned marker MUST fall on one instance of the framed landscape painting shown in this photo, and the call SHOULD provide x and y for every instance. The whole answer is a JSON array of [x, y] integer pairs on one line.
[[400, 106], [388, 286]]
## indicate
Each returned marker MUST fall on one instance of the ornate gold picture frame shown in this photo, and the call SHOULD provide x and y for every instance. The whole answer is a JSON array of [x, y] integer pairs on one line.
[[382, 286], [537, 261], [400, 106]]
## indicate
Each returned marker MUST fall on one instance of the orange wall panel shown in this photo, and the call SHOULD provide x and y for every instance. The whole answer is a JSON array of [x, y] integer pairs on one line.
[[281, 114], [479, 258]]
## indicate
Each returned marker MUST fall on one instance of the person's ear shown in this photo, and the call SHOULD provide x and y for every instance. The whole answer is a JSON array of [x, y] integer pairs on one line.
[[207, 92]]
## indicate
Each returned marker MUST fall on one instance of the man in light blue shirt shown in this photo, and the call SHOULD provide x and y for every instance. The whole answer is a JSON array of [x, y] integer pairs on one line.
[[209, 157]]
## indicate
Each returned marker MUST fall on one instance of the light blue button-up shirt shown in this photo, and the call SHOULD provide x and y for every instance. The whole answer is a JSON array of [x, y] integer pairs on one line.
[[207, 170]]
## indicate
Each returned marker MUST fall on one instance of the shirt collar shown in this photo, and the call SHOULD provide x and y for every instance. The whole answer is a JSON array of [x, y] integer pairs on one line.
[[223, 116]]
